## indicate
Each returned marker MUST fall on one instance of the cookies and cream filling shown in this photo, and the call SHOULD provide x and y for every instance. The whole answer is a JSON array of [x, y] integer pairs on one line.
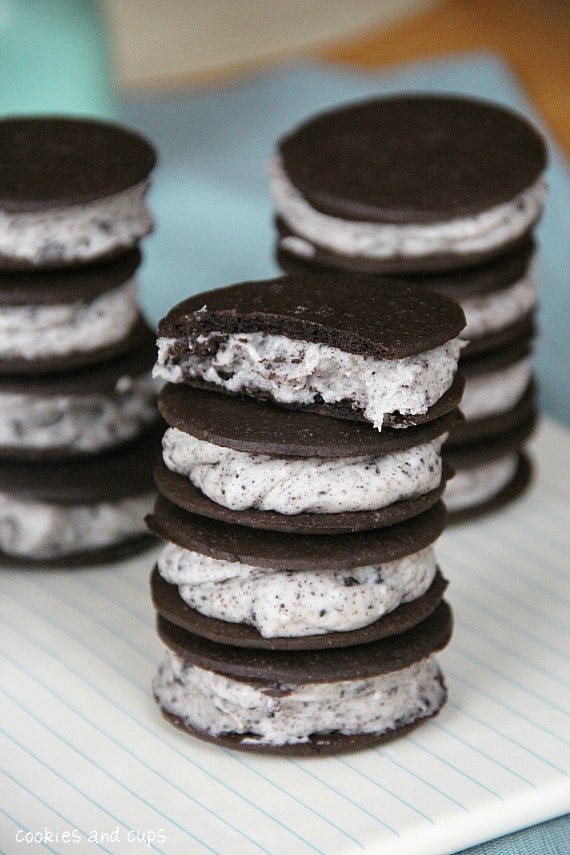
[[292, 371], [40, 530], [495, 392], [482, 232], [280, 714], [76, 233], [86, 423], [281, 603], [496, 310], [239, 480], [44, 331], [478, 484]]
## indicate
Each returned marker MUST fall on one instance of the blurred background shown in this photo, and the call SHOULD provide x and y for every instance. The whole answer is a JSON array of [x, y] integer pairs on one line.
[[178, 42], [170, 45], [214, 83]]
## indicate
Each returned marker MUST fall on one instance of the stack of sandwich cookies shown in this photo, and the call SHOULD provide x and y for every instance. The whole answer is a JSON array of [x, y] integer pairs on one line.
[[77, 399], [300, 485], [445, 192]]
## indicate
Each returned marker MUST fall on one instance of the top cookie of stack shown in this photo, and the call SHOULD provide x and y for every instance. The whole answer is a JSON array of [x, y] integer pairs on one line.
[[77, 403], [444, 192], [409, 184]]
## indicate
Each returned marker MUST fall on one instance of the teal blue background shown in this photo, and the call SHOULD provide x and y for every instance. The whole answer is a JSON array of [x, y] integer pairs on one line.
[[54, 58]]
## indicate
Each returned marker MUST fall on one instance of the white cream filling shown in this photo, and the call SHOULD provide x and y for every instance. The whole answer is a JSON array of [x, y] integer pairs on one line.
[[293, 371], [495, 392], [290, 603], [43, 530], [473, 486], [488, 313], [281, 714], [32, 332], [76, 232], [78, 422], [239, 480], [485, 231]]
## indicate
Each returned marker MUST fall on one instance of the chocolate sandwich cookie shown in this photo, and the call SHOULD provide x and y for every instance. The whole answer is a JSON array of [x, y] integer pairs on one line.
[[81, 412], [71, 190], [490, 473], [336, 344], [499, 393], [253, 588], [247, 462], [76, 512], [60, 320], [499, 297], [408, 183], [302, 702]]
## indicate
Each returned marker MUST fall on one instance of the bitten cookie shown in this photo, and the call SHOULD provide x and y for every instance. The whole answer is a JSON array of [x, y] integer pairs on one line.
[[71, 191], [253, 588], [302, 702], [250, 463], [338, 344], [408, 183]]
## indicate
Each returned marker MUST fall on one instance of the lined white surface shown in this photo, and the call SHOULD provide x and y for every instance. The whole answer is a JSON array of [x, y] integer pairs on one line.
[[84, 750]]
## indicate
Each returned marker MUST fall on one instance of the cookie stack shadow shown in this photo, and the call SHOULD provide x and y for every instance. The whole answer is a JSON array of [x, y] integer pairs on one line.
[[441, 192], [297, 592], [78, 422]]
